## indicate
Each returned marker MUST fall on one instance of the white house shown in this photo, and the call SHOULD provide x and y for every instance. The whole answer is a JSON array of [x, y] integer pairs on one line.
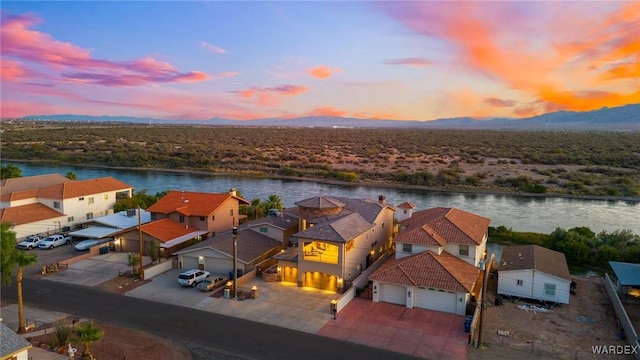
[[534, 272], [437, 260], [49, 204]]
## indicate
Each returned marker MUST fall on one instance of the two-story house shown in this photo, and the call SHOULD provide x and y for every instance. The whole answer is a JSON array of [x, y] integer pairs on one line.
[[436, 266], [52, 203], [337, 239], [183, 218]]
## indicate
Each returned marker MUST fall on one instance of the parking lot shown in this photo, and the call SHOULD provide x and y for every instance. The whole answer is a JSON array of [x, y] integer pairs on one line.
[[280, 304]]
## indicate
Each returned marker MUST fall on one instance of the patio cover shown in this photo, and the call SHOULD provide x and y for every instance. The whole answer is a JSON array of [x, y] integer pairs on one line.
[[628, 274], [94, 232], [181, 239]]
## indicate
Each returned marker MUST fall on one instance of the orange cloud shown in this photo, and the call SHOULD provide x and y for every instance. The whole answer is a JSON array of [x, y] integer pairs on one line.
[[326, 111], [583, 60], [323, 72]]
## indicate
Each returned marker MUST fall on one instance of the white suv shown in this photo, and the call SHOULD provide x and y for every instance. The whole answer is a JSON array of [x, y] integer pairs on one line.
[[192, 277]]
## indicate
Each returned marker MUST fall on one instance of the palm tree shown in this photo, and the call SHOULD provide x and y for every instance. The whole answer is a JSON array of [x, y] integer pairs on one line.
[[88, 334], [274, 202], [71, 175], [12, 257], [255, 207]]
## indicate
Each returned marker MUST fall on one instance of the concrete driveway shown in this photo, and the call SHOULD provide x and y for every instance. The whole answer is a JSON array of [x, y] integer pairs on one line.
[[280, 304], [93, 271]]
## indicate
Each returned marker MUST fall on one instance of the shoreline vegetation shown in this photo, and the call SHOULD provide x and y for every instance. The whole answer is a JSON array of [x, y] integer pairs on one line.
[[347, 183], [581, 165]]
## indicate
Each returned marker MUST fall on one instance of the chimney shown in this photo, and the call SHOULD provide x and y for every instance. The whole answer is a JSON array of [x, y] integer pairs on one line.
[[232, 191], [382, 199]]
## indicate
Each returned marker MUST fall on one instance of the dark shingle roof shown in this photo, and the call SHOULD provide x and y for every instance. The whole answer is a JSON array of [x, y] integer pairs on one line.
[[522, 257], [10, 342]]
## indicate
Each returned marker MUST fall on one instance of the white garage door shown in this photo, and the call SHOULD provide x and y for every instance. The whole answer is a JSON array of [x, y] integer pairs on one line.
[[394, 294], [189, 262], [436, 300]]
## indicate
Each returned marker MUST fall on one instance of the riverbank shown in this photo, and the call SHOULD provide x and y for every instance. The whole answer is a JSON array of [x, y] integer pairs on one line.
[[262, 175]]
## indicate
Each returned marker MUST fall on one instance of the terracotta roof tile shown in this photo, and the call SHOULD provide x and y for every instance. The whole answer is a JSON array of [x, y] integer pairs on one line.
[[191, 203], [25, 214], [429, 269], [438, 226], [407, 205], [166, 229], [79, 188], [31, 182]]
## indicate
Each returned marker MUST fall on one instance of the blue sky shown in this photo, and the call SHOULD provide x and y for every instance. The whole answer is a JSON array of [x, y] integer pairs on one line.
[[417, 60]]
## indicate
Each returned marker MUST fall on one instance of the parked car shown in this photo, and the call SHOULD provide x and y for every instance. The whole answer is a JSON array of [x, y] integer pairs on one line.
[[54, 241], [30, 242], [208, 285], [87, 244], [192, 277]]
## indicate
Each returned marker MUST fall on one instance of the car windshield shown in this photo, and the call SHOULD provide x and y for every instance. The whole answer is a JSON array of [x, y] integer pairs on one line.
[[185, 277]]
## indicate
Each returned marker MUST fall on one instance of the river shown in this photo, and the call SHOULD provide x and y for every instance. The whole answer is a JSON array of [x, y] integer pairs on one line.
[[536, 214]]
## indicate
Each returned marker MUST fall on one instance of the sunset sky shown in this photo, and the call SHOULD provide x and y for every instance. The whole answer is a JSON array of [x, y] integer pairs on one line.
[[418, 60]]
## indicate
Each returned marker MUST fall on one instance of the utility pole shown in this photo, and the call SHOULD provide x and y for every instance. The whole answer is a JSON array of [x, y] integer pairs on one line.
[[234, 231], [140, 238]]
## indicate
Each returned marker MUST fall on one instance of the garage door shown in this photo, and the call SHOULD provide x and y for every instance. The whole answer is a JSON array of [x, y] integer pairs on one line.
[[189, 262], [436, 300], [394, 294], [290, 274]]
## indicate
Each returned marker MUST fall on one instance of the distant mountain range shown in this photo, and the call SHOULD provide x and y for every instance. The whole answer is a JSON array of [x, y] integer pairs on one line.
[[623, 118]]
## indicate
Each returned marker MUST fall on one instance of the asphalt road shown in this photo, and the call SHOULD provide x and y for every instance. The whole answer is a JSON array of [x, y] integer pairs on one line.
[[207, 335]]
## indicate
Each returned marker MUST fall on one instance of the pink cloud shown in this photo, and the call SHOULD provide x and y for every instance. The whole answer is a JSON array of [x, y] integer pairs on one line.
[[212, 48], [270, 96], [20, 42], [409, 61], [323, 72], [493, 101], [12, 70]]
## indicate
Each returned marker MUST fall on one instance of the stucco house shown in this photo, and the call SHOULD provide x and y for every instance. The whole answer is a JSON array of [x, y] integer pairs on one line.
[[337, 239], [216, 254], [47, 203], [626, 279], [404, 211], [534, 272], [436, 266], [181, 219]]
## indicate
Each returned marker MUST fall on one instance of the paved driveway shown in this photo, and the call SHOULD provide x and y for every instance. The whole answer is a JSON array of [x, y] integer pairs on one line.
[[93, 271], [419, 332], [280, 304]]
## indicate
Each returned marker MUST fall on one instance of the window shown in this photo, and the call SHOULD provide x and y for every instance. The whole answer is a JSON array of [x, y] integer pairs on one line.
[[320, 252], [202, 218], [463, 250], [91, 200], [549, 289], [231, 212], [213, 217], [56, 204], [81, 198], [89, 216], [264, 229], [70, 219], [154, 216], [106, 196], [406, 248], [181, 218], [519, 282], [383, 225]]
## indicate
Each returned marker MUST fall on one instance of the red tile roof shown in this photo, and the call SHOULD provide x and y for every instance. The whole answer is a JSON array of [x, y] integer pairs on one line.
[[31, 182], [20, 195], [166, 229], [79, 188], [191, 203], [407, 205], [28, 213], [429, 269], [438, 226]]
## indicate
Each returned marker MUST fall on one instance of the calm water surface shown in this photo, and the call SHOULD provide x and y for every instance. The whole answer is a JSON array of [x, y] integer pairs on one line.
[[520, 213]]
